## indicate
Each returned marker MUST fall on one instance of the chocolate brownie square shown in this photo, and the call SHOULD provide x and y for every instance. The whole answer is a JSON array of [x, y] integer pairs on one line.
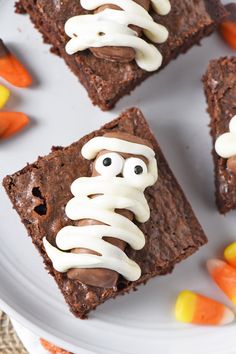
[[41, 190], [220, 90], [105, 81]]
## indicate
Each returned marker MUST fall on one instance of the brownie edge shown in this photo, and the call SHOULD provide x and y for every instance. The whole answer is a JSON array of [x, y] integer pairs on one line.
[[40, 191], [220, 90]]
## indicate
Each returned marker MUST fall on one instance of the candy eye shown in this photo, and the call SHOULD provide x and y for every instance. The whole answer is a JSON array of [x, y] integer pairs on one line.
[[134, 167], [110, 164], [138, 169]]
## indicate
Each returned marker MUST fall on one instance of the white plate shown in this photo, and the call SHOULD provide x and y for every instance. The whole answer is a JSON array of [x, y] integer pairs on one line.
[[61, 112], [30, 340]]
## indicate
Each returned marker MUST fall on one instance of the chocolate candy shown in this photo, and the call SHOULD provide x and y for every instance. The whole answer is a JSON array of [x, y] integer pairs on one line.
[[121, 54], [101, 277]]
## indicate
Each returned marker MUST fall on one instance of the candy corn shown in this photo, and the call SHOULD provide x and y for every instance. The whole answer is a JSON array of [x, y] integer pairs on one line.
[[51, 348], [4, 95], [11, 123], [228, 27], [225, 277], [230, 254], [4, 124], [11, 69], [228, 32], [197, 309]]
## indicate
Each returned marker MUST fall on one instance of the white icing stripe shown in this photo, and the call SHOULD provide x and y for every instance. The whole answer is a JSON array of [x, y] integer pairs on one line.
[[162, 7], [225, 144], [112, 193], [85, 30], [105, 202], [125, 266], [113, 186], [93, 146], [70, 236]]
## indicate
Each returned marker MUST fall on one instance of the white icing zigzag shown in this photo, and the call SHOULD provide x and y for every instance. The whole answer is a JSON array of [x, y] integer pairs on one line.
[[85, 30], [112, 192]]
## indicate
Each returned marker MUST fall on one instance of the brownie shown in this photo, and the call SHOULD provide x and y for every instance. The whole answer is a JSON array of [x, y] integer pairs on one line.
[[220, 90], [231, 8], [106, 82], [40, 192]]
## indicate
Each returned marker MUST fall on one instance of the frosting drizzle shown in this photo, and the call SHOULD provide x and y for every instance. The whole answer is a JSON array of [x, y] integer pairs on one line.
[[110, 28], [112, 192]]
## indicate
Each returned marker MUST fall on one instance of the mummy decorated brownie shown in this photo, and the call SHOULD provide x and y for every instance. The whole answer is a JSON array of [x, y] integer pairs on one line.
[[108, 35], [106, 205], [220, 89], [105, 213], [112, 46]]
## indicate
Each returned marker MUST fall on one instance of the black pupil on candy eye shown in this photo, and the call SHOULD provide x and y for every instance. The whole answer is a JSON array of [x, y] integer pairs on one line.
[[107, 161], [138, 170]]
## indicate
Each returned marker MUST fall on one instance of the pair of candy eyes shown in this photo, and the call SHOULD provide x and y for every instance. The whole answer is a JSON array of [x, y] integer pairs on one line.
[[113, 164]]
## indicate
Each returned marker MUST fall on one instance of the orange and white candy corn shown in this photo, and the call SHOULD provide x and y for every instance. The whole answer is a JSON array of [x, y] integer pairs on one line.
[[225, 277], [11, 68], [230, 254], [197, 309]]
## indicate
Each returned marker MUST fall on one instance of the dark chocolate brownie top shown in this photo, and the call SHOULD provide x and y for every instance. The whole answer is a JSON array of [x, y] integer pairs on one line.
[[41, 191], [220, 89], [186, 19]]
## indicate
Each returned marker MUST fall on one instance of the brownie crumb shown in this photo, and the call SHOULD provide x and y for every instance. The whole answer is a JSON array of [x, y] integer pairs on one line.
[[19, 8], [55, 51]]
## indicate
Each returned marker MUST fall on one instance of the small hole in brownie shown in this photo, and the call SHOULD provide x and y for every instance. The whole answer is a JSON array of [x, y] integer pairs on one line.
[[121, 284], [41, 209], [37, 193], [101, 34]]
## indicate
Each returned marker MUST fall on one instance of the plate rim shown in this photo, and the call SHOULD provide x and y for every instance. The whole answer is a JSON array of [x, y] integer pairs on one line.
[[27, 323]]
